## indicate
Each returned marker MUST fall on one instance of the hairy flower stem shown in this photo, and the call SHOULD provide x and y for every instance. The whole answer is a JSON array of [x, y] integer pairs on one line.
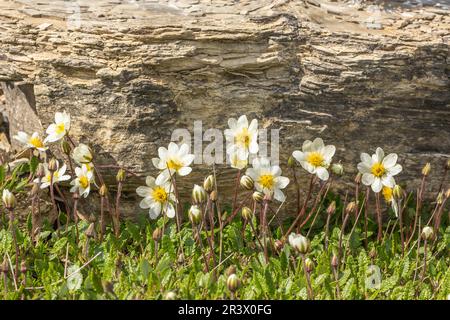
[[308, 278], [102, 217], [13, 231], [344, 224], [265, 228], [236, 188], [424, 271], [400, 219], [379, 217], [55, 208], [336, 280], [75, 216], [327, 230], [366, 218], [418, 208], [66, 205], [177, 205], [117, 215], [198, 235], [210, 211], [316, 208], [297, 188], [438, 217]]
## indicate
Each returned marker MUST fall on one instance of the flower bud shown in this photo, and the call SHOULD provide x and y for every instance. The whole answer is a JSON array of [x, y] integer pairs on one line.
[[440, 198], [34, 189], [65, 146], [103, 190], [230, 270], [208, 183], [331, 208], [157, 234], [358, 178], [170, 295], [213, 196], [9, 200], [337, 169], [426, 169], [121, 175], [278, 245], [233, 282], [90, 231], [247, 213], [334, 261], [291, 162], [309, 265], [258, 196], [195, 214], [351, 206], [397, 191], [53, 165], [427, 233], [447, 193], [40, 171], [300, 243], [82, 154], [447, 165], [23, 267], [247, 183], [199, 195]]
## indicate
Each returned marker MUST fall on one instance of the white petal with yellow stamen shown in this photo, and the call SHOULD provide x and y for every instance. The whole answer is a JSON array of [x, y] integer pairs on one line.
[[158, 198], [56, 131], [58, 176], [173, 160], [33, 142], [83, 180], [242, 137], [315, 157]]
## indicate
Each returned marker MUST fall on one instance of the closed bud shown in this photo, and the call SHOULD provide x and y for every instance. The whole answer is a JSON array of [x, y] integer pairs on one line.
[[300, 243], [208, 183], [34, 189], [350, 207], [331, 208], [278, 245], [23, 267], [440, 198], [291, 162], [397, 191], [337, 169], [334, 261], [447, 165], [213, 196], [233, 282], [40, 171], [53, 165], [103, 190], [157, 234], [5, 266], [247, 183], [170, 295], [199, 195], [195, 214], [180, 258], [427, 233], [230, 270], [90, 231], [9, 200], [309, 265], [426, 169], [121, 175], [247, 213], [65, 146], [447, 193], [258, 196], [358, 178]]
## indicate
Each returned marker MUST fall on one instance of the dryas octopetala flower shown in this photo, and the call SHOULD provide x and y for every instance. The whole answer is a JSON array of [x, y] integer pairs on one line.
[[237, 163], [378, 170], [82, 154], [158, 197], [242, 138], [315, 157], [388, 194], [34, 141], [174, 159], [82, 182], [268, 178], [58, 175], [56, 131]]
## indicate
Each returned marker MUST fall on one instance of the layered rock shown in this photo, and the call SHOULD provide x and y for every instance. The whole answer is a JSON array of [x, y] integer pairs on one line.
[[359, 75]]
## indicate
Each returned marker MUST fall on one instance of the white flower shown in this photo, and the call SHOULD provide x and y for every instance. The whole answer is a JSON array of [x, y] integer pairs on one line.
[[378, 171], [315, 157], [268, 178], [173, 160], [242, 138], [389, 198], [34, 141], [237, 163], [59, 129], [82, 183], [58, 176], [82, 154], [158, 197]]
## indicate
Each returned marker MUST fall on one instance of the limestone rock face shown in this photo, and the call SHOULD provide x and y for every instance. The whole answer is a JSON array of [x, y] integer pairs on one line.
[[359, 74]]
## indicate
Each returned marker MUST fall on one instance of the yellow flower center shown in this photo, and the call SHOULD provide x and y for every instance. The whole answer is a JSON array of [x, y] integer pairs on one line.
[[266, 181], [84, 182], [159, 195], [174, 164], [387, 193], [315, 159], [60, 128], [243, 138], [378, 170], [36, 142]]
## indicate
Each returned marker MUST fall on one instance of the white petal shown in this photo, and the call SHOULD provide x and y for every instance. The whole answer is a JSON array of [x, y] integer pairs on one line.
[[162, 177], [379, 153], [184, 149], [155, 210], [150, 181], [390, 160], [366, 158], [322, 173], [395, 170], [282, 182], [232, 123], [298, 155], [158, 164], [242, 121], [377, 185], [308, 167], [364, 167], [307, 146], [254, 147], [162, 153], [145, 203], [187, 159], [253, 125], [173, 148], [367, 179], [388, 181], [170, 213], [317, 144], [279, 195], [184, 171], [143, 191], [328, 152]]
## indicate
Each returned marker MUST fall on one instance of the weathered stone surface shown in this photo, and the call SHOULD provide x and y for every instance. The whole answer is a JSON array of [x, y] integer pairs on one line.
[[357, 74]]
